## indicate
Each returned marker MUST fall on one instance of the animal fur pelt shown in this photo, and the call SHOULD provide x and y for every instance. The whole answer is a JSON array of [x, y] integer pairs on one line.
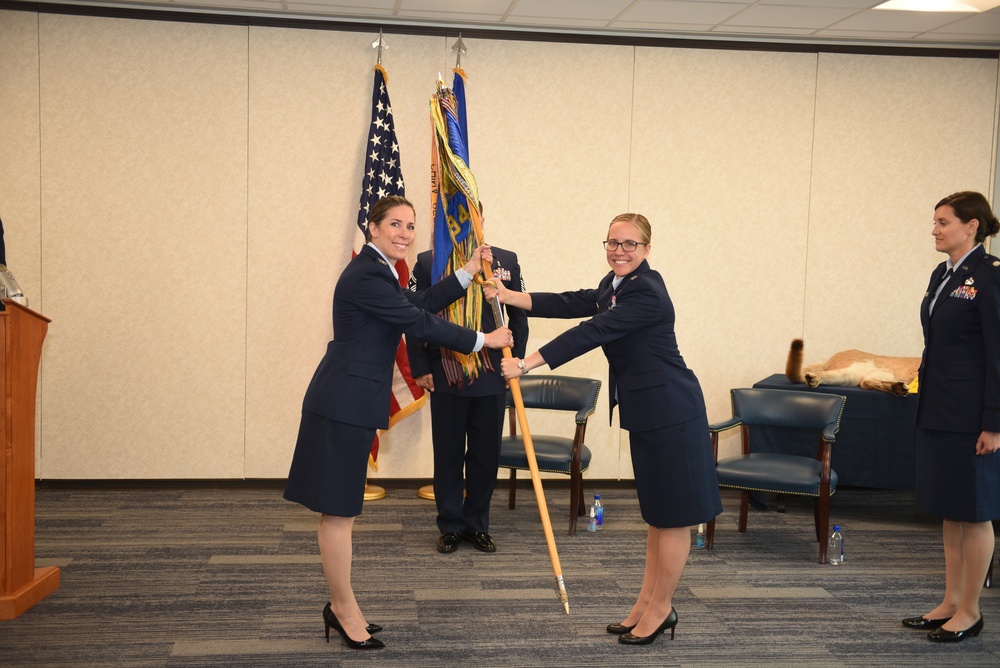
[[854, 368]]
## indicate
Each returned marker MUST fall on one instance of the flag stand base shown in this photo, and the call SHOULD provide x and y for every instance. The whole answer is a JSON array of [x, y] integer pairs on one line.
[[374, 492], [426, 492]]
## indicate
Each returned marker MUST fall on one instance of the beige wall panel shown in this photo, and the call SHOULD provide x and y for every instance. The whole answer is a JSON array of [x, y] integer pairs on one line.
[[720, 166], [310, 101], [144, 225], [19, 160], [206, 181], [549, 151], [893, 136], [20, 182]]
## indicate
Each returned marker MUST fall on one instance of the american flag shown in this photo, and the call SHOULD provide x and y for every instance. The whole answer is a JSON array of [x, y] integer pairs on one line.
[[383, 177]]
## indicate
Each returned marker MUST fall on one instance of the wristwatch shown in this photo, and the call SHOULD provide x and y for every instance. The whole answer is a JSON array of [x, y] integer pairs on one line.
[[524, 369]]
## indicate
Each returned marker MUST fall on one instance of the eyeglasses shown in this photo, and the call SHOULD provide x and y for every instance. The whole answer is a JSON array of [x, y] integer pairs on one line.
[[627, 246]]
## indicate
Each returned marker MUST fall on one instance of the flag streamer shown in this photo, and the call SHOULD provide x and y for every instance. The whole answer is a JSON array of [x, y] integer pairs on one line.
[[454, 200], [452, 180]]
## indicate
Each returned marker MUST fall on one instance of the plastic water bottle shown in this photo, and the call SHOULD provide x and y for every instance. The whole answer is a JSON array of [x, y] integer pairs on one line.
[[835, 552], [699, 539], [598, 508], [592, 520]]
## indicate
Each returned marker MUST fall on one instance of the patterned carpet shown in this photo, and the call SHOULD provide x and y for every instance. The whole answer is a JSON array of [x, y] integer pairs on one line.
[[230, 576]]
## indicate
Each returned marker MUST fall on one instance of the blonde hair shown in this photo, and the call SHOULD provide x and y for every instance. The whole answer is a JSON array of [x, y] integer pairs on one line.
[[639, 221]]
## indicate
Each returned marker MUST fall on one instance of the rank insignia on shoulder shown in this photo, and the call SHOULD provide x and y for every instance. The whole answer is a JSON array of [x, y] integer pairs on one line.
[[996, 263], [412, 284]]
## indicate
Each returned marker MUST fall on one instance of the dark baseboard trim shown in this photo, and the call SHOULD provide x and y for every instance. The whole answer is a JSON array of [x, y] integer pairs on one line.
[[279, 483]]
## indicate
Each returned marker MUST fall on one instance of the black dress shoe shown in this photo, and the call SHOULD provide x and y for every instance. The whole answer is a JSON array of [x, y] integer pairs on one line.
[[481, 541], [448, 542], [940, 635], [371, 628], [619, 629], [669, 623], [924, 624], [331, 621]]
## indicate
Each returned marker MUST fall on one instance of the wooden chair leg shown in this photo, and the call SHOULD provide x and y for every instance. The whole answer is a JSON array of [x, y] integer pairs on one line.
[[816, 520], [512, 489], [744, 510], [575, 499], [823, 524], [710, 535]]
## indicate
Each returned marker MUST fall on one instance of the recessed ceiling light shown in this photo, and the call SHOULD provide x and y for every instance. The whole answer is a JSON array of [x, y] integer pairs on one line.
[[940, 5]]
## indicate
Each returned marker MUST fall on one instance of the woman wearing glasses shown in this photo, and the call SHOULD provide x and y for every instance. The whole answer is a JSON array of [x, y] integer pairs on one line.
[[660, 402]]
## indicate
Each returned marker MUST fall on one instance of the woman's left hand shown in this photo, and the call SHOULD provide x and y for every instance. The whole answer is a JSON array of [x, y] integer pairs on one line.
[[509, 368], [988, 443]]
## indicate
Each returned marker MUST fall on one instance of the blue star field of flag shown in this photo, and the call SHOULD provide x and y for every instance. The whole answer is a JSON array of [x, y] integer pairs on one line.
[[383, 175]]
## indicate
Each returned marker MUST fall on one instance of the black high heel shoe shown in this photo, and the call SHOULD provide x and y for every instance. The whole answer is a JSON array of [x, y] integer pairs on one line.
[[332, 622], [371, 628], [924, 624], [619, 629], [941, 635], [669, 623]]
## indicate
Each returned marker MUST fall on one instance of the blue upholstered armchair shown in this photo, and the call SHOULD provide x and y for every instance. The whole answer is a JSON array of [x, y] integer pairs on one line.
[[555, 454], [812, 413]]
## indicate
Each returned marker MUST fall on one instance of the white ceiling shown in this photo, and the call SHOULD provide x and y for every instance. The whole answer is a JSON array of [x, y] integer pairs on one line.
[[836, 21]]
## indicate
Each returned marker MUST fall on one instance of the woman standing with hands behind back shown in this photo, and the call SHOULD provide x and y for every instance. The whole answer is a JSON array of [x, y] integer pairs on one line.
[[958, 410], [348, 398], [661, 406]]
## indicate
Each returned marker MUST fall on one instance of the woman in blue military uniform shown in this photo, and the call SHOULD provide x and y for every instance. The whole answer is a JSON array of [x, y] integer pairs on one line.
[[660, 402], [958, 410], [349, 395]]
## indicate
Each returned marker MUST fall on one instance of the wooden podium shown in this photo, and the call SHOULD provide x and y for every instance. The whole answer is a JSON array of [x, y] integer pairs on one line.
[[21, 584]]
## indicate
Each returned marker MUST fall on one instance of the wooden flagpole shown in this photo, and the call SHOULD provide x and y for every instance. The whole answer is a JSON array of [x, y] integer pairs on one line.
[[522, 419]]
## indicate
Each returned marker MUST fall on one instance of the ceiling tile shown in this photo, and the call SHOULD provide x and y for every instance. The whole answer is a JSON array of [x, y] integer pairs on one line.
[[790, 17], [457, 7], [682, 11], [853, 4], [987, 23], [662, 27], [555, 23], [578, 9], [893, 21]]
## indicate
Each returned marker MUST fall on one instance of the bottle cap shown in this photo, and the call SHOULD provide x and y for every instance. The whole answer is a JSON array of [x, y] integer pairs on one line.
[[597, 496], [836, 527]]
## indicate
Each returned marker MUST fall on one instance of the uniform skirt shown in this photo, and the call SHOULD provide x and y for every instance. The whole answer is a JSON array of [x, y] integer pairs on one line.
[[675, 474], [328, 468], [954, 482]]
